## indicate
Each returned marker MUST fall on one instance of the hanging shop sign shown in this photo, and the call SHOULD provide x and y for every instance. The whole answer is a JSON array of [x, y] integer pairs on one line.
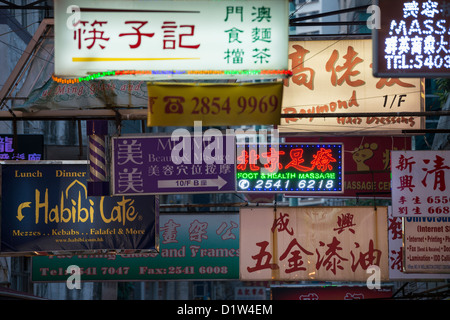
[[335, 77], [419, 183], [182, 163], [130, 39], [367, 170], [173, 104], [427, 245], [397, 251], [46, 210], [21, 147], [200, 246], [313, 243], [291, 167], [412, 39]]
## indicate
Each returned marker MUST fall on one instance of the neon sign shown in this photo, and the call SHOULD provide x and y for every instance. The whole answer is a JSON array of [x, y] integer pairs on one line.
[[413, 39], [293, 167]]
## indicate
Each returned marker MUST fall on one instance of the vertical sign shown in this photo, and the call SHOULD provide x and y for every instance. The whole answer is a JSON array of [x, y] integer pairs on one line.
[[177, 164], [313, 243], [420, 183]]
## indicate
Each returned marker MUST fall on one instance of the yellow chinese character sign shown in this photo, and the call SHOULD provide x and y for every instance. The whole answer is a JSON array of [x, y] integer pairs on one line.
[[172, 104]]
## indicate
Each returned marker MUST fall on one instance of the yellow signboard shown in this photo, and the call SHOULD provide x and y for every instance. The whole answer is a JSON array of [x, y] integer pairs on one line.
[[230, 104]]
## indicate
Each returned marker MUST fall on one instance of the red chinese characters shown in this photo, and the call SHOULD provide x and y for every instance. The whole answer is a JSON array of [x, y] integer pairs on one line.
[[91, 35], [324, 253], [420, 180]]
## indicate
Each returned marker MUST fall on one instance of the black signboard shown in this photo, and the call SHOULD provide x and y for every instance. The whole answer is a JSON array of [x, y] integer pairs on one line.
[[290, 167], [413, 39], [45, 209]]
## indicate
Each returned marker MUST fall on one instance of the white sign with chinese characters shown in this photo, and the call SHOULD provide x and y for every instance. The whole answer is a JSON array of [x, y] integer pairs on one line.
[[335, 77], [175, 39], [420, 183]]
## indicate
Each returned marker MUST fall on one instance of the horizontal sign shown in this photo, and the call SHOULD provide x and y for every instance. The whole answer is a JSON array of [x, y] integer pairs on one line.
[[214, 104], [419, 183], [367, 170], [313, 243], [293, 167], [21, 147], [130, 39], [335, 77], [46, 209], [412, 39], [201, 246], [182, 163], [427, 245]]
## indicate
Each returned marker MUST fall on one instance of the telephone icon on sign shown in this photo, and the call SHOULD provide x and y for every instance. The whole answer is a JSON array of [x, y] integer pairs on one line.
[[173, 104]]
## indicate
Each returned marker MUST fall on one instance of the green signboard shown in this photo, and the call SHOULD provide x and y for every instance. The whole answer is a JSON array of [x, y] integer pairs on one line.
[[200, 246]]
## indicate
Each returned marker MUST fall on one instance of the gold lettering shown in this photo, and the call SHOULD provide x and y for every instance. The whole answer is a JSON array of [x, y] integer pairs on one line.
[[123, 212], [43, 205]]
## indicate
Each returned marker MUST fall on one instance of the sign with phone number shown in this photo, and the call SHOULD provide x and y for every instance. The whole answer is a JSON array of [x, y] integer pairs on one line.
[[214, 104], [204, 246]]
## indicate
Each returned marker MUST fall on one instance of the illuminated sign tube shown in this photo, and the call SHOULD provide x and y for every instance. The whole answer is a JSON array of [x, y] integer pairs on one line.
[[170, 72], [303, 167]]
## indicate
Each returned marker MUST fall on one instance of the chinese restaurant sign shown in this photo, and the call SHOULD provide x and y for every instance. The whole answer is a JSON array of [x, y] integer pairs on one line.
[[294, 167], [201, 246], [25, 147], [336, 77], [413, 39], [313, 243], [173, 104], [164, 165], [367, 164], [130, 39], [397, 250], [419, 183], [46, 209]]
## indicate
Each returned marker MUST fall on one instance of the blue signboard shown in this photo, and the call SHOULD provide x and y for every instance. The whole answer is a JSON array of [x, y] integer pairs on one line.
[[164, 165], [46, 209]]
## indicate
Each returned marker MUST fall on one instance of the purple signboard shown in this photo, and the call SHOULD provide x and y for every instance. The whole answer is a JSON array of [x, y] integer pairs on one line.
[[176, 164]]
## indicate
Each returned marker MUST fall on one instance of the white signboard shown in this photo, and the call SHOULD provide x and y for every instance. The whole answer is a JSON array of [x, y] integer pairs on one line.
[[396, 253], [427, 245], [171, 39], [335, 77], [420, 183]]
